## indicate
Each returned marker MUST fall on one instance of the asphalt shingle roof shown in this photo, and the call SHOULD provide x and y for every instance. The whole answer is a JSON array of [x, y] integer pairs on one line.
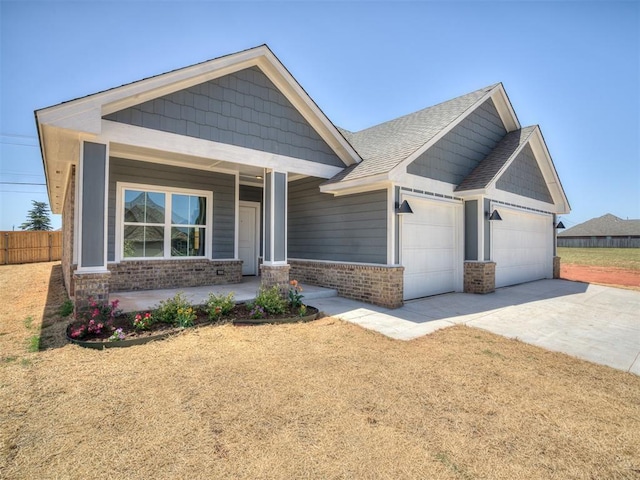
[[606, 225], [488, 168], [384, 146]]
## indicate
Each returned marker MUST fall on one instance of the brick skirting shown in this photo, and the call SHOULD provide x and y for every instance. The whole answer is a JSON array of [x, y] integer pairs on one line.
[[90, 285], [479, 277], [378, 284], [274, 275], [556, 267], [156, 274]]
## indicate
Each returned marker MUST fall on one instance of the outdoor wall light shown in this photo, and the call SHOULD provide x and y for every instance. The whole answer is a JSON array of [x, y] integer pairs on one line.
[[560, 225], [494, 215], [404, 208]]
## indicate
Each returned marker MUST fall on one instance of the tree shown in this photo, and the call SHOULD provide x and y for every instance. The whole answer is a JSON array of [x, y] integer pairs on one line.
[[38, 217]]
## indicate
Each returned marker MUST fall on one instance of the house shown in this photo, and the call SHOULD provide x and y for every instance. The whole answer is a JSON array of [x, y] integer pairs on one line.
[[228, 168], [607, 231]]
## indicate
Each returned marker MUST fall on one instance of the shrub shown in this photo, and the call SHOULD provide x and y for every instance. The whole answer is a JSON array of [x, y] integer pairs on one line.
[[185, 317], [219, 305], [66, 308], [271, 300], [167, 310], [95, 318]]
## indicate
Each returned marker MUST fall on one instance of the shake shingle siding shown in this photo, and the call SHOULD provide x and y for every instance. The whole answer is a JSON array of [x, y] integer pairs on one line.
[[244, 109], [523, 177], [458, 152], [352, 228], [222, 186]]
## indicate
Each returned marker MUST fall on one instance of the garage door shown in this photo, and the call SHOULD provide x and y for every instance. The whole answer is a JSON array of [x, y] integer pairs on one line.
[[522, 247], [429, 248]]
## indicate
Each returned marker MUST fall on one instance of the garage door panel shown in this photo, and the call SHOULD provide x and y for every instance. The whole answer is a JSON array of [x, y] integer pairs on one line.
[[429, 248], [522, 247]]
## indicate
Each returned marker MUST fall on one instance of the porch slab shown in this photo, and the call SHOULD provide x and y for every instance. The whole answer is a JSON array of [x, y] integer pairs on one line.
[[140, 300]]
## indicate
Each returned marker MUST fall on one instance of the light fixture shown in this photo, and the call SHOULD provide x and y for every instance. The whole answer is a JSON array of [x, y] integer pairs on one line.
[[495, 216], [560, 225], [404, 208]]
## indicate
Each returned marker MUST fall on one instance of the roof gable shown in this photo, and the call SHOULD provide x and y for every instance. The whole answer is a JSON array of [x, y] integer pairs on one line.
[[243, 108]]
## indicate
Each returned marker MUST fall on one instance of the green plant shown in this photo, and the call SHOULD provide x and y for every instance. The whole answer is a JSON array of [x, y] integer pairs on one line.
[[302, 311], [142, 321], [66, 308], [34, 343], [167, 310], [117, 336], [219, 305], [295, 299], [28, 322], [185, 317], [271, 300], [256, 311]]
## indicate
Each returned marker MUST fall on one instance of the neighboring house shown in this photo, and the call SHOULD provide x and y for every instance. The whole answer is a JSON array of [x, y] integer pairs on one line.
[[605, 231], [228, 168]]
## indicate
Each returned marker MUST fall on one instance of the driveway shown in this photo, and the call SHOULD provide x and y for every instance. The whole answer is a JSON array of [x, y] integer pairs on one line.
[[591, 322]]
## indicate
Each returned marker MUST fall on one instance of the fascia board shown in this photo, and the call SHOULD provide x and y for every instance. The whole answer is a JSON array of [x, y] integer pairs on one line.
[[505, 109], [368, 184], [210, 151], [402, 166]]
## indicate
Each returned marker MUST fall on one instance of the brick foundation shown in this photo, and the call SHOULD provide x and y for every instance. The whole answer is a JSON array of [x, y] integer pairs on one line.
[[156, 274], [378, 284], [68, 212], [274, 275], [556, 267], [479, 277], [90, 285]]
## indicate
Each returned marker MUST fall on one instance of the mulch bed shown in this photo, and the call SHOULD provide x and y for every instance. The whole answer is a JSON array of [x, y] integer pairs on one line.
[[240, 315]]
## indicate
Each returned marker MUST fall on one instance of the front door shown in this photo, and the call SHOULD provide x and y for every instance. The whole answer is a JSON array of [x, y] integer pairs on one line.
[[248, 237]]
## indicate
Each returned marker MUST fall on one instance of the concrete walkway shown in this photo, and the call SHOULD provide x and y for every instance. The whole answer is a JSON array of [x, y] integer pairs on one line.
[[591, 322]]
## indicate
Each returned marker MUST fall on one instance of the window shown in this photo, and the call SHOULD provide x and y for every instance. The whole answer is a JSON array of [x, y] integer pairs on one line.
[[164, 224]]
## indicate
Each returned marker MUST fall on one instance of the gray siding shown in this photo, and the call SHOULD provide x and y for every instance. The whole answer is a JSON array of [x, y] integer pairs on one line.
[[523, 177], [222, 186], [456, 154], [471, 230], [351, 228], [93, 180], [244, 109]]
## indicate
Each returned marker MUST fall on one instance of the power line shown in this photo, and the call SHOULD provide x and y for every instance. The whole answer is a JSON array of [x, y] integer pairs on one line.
[[17, 135], [21, 183]]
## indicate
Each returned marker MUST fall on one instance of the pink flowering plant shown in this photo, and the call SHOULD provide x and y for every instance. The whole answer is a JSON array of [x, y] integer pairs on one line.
[[94, 319], [143, 321]]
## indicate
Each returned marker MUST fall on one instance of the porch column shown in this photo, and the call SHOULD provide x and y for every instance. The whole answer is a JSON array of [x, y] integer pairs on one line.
[[275, 269], [91, 279], [479, 270]]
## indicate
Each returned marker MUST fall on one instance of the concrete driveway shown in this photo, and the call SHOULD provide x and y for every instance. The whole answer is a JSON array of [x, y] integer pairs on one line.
[[591, 322]]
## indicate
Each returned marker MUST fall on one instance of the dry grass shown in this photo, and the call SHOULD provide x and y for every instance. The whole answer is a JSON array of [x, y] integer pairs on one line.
[[320, 400], [627, 258]]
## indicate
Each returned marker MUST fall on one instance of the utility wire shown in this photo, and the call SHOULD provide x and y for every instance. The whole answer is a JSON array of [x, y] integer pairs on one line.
[[21, 183]]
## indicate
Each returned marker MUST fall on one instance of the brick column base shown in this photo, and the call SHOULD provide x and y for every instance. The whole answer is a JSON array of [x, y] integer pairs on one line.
[[479, 277], [556, 267], [274, 275], [90, 285]]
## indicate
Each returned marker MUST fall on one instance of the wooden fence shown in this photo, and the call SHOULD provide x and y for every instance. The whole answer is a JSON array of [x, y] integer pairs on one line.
[[599, 242], [30, 247]]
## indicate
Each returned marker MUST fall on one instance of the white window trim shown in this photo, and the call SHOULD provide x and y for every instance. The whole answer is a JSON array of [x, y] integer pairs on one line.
[[119, 220]]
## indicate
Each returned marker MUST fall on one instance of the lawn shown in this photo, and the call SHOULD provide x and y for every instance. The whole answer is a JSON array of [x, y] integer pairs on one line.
[[627, 258], [324, 399]]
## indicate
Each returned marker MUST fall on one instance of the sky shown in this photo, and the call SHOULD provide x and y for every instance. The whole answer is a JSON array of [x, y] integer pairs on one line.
[[572, 67]]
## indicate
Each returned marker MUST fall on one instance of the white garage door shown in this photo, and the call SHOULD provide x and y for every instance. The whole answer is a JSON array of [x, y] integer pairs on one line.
[[429, 248], [522, 247]]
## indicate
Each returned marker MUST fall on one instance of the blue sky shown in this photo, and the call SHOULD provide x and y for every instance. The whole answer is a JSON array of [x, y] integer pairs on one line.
[[572, 67]]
